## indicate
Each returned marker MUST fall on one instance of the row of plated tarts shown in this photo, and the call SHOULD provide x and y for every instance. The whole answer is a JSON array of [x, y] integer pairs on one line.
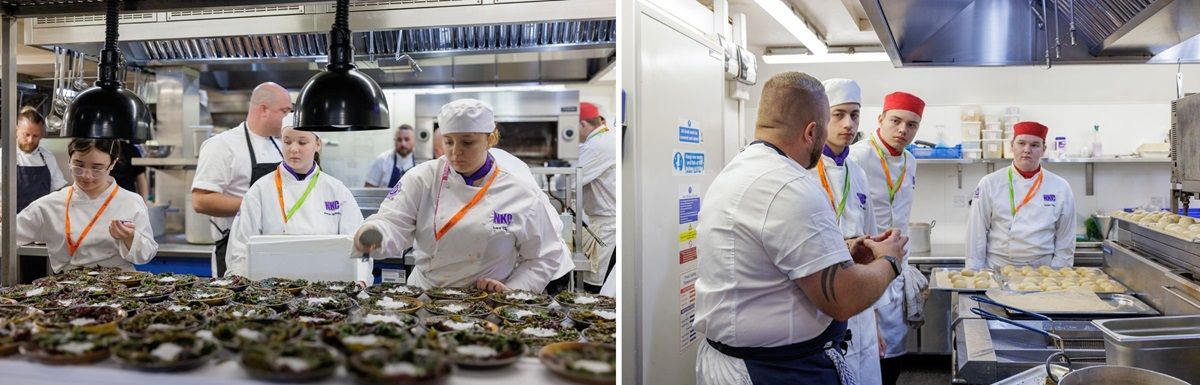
[[294, 330]]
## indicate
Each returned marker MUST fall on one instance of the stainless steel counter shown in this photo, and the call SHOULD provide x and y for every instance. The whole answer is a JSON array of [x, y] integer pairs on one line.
[[175, 245], [934, 336], [1086, 254]]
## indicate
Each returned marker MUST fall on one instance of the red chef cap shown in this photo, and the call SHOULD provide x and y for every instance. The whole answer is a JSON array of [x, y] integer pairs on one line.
[[588, 111], [1030, 128], [903, 101]]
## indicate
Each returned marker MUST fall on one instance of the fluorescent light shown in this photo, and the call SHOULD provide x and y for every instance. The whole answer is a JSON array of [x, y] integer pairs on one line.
[[547, 87], [793, 23], [826, 58]]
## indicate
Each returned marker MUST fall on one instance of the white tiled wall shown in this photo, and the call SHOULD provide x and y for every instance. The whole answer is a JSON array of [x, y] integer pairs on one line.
[[1116, 186], [1131, 103]]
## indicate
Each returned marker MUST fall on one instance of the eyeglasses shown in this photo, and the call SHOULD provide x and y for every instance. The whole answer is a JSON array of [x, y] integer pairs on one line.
[[87, 171]]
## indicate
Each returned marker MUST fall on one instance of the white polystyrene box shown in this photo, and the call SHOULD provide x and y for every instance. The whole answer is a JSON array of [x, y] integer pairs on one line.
[[311, 257]]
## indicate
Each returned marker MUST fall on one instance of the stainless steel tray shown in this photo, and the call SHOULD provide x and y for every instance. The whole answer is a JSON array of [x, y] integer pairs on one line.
[[1006, 284], [1147, 229], [1034, 376], [1125, 304], [1176, 250], [936, 284]]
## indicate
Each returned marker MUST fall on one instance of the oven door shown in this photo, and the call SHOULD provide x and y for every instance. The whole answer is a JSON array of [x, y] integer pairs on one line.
[[535, 141]]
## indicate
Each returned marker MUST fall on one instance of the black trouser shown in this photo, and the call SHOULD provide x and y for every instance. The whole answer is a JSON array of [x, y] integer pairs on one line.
[[890, 369], [611, 262]]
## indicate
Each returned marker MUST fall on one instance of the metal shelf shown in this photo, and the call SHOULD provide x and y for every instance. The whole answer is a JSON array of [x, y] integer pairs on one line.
[[32, 8], [1088, 163]]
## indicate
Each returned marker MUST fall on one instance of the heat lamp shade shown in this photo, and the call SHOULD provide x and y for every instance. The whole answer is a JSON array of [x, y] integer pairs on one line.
[[342, 99], [107, 113]]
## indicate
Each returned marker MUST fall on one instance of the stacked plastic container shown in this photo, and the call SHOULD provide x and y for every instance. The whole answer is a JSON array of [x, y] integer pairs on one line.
[[993, 139], [972, 132], [1012, 115]]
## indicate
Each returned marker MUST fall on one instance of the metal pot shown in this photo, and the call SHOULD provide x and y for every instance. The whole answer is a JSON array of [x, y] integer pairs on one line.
[[1110, 375], [1117, 375], [155, 150], [918, 236], [198, 229], [158, 218]]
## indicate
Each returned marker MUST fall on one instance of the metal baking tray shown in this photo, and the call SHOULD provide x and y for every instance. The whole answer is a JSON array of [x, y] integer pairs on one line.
[[1125, 305], [937, 284], [1006, 284], [1148, 229]]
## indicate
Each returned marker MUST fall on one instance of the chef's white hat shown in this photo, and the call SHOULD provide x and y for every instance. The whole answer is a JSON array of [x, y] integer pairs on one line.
[[289, 121], [842, 91], [467, 116]]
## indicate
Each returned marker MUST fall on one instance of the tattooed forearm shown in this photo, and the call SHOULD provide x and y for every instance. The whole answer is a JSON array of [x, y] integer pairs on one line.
[[828, 278]]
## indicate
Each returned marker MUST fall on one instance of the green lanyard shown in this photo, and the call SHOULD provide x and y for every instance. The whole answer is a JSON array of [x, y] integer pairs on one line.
[[887, 173], [1012, 199], [841, 206], [299, 202]]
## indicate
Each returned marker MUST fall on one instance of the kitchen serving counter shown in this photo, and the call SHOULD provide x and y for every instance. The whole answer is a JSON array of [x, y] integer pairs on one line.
[[934, 336], [17, 370], [176, 246]]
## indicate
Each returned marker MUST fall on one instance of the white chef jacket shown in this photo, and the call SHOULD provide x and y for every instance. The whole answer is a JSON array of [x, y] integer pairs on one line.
[[856, 220], [763, 223], [381, 170], [889, 213], [329, 209], [44, 221], [34, 159], [1041, 233], [508, 236], [598, 158], [518, 168], [224, 165]]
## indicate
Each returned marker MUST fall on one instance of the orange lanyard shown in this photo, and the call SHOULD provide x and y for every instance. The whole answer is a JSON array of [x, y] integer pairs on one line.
[[299, 202], [1037, 184], [74, 245], [463, 211], [838, 208], [887, 173]]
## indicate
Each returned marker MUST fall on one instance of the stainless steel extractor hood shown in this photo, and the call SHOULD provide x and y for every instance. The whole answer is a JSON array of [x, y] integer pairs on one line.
[[454, 41], [1035, 32]]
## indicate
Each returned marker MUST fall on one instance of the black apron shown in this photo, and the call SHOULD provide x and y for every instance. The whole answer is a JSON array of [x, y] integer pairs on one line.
[[818, 361], [34, 183], [396, 173], [257, 171]]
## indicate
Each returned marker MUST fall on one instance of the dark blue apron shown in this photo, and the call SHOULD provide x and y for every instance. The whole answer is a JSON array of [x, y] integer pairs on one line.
[[396, 173], [257, 171], [810, 362], [34, 183]]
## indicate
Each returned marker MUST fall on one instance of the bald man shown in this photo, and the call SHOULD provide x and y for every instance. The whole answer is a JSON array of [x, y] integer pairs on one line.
[[777, 280], [233, 160], [37, 169]]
